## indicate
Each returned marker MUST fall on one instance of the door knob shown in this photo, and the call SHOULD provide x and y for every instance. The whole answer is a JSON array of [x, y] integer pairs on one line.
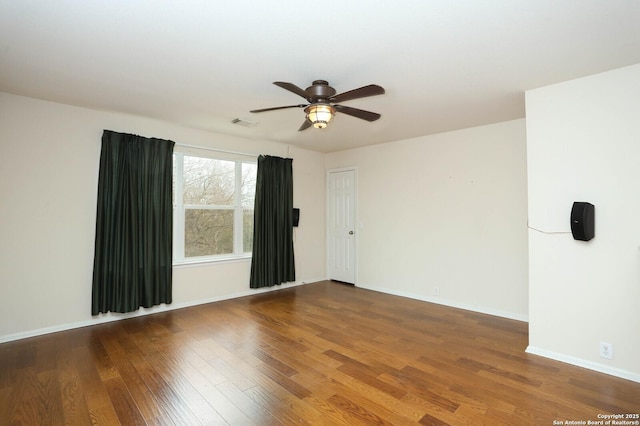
[[350, 232]]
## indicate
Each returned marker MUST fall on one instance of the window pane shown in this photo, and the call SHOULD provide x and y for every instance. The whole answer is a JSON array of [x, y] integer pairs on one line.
[[247, 231], [208, 232], [208, 181], [249, 171]]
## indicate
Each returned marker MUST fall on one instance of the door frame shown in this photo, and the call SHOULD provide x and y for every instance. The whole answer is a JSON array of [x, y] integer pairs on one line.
[[356, 230]]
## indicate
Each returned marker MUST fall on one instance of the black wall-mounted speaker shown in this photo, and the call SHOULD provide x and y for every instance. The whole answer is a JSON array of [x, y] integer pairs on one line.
[[296, 217], [583, 221]]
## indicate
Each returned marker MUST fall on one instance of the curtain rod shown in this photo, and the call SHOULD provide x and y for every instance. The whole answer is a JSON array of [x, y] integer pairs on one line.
[[216, 150]]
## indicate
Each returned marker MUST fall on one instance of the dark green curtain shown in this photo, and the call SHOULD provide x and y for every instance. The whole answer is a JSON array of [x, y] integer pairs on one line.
[[273, 260], [134, 224]]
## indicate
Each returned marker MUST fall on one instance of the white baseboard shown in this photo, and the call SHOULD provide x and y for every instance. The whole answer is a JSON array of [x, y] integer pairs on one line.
[[110, 316], [579, 362], [450, 303]]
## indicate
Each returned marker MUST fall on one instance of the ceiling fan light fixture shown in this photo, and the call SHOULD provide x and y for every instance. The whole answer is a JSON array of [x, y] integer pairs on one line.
[[320, 114], [323, 103]]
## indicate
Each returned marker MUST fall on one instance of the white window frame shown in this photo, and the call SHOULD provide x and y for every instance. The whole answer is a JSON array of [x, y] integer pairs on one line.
[[179, 208]]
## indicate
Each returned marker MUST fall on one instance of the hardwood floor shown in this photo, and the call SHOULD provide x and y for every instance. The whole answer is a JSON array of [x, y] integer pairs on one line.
[[323, 353]]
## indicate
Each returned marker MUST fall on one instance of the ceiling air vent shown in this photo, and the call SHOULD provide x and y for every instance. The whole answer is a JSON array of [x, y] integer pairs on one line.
[[244, 123]]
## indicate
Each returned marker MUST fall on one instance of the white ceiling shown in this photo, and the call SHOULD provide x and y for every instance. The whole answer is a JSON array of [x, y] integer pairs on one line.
[[445, 65]]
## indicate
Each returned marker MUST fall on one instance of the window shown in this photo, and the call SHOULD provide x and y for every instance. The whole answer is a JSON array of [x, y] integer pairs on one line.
[[212, 206]]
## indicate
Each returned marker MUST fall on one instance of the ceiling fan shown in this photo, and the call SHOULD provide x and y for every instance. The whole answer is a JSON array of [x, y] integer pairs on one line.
[[323, 101]]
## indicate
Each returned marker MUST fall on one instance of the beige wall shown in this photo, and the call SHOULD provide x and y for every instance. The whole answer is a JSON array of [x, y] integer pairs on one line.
[[446, 211], [583, 141], [49, 155]]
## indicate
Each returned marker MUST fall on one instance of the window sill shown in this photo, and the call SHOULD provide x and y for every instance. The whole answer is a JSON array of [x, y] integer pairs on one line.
[[204, 261]]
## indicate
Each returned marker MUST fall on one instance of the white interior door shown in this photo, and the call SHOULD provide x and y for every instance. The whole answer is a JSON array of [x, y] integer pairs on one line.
[[341, 248]]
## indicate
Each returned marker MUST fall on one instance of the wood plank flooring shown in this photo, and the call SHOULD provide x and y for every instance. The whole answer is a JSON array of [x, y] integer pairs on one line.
[[324, 353]]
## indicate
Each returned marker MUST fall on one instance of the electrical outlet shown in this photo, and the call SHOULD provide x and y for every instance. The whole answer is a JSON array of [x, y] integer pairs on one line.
[[436, 291], [606, 350]]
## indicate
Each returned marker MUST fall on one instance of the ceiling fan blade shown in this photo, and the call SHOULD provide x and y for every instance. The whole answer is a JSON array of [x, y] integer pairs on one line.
[[362, 92], [359, 113], [305, 125], [293, 88], [282, 107]]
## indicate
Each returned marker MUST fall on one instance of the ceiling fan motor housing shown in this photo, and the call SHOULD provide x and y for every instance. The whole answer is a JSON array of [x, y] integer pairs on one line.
[[320, 90]]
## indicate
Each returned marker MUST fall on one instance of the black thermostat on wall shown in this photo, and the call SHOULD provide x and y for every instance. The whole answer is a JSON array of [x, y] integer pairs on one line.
[[583, 221], [296, 217]]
